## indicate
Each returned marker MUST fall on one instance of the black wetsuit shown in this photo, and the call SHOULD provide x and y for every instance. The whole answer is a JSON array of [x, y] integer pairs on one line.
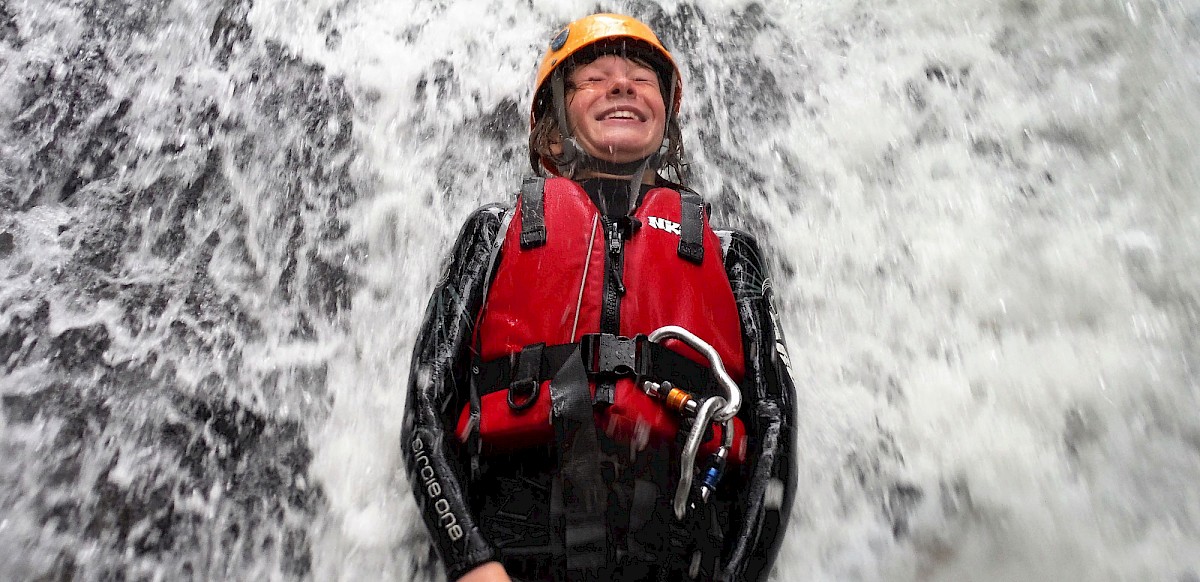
[[503, 507]]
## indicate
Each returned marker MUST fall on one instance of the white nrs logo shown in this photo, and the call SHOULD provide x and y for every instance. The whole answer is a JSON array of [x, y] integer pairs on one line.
[[663, 224]]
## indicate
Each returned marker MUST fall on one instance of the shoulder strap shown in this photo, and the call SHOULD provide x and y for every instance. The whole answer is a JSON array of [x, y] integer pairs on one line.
[[691, 226], [533, 213]]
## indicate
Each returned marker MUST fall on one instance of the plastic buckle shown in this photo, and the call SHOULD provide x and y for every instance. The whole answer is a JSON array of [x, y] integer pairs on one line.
[[605, 354]]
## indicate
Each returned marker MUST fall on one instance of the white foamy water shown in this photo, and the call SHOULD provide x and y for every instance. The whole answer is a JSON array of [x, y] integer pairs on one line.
[[220, 222]]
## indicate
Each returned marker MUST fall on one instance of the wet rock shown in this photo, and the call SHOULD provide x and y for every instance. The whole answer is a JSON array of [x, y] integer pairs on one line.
[[503, 122], [81, 346], [62, 570], [330, 286], [1082, 427], [9, 33], [141, 461], [437, 84], [22, 341], [900, 501], [178, 200], [95, 159], [955, 496], [333, 36], [6, 244], [21, 408], [234, 429], [58, 99], [944, 74], [230, 31]]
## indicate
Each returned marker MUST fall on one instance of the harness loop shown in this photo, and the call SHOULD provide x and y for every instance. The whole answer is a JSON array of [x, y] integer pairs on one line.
[[523, 391]]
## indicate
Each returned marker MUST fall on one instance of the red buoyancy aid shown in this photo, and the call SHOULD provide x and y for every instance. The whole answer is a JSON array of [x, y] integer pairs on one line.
[[553, 294]]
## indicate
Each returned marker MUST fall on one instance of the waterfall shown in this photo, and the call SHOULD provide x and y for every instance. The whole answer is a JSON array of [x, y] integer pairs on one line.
[[220, 222]]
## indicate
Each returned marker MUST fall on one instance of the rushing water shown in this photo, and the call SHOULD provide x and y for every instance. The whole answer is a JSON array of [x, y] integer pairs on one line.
[[219, 222]]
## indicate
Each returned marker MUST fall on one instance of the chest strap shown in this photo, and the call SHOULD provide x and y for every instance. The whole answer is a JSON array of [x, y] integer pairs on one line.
[[604, 356]]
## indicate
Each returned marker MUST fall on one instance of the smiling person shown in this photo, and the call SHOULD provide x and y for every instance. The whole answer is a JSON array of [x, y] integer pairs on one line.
[[600, 389]]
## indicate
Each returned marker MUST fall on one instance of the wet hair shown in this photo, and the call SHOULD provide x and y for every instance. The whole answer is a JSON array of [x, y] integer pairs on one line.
[[546, 131]]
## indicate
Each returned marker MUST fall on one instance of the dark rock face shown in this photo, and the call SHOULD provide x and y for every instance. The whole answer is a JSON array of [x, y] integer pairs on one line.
[[140, 266]]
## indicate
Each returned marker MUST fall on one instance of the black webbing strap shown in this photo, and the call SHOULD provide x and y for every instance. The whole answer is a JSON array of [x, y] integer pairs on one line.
[[501, 373], [529, 362], [474, 442], [697, 537], [602, 355], [584, 532], [691, 227], [533, 213], [641, 505]]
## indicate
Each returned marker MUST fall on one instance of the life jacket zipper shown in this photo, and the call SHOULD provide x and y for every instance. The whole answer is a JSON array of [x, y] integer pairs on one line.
[[610, 305], [616, 262], [614, 287]]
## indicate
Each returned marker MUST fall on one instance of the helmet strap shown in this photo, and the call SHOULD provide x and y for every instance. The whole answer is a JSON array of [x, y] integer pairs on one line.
[[571, 152]]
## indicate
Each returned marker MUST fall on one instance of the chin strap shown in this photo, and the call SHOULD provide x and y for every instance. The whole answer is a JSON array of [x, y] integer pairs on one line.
[[574, 158]]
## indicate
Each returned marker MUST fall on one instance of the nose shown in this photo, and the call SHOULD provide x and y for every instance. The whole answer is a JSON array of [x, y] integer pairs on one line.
[[621, 84]]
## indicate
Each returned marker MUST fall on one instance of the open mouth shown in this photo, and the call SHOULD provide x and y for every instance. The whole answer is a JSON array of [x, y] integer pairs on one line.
[[621, 114]]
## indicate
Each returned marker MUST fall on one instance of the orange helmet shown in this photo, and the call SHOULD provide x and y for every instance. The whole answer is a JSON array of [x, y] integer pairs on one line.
[[593, 29]]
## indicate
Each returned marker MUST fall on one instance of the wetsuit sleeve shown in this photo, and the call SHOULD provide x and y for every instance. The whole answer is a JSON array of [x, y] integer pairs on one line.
[[769, 410], [438, 387]]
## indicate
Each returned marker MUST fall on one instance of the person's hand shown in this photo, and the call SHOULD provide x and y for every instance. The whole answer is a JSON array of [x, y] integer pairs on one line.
[[489, 572]]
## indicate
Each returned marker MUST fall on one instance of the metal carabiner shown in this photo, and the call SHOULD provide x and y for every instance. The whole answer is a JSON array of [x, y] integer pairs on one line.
[[733, 395], [687, 459], [711, 477]]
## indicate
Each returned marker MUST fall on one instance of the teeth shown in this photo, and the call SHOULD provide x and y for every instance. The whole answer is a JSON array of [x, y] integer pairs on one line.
[[621, 115]]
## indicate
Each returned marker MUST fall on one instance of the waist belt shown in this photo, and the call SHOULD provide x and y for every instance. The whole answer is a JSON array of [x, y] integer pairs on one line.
[[605, 356]]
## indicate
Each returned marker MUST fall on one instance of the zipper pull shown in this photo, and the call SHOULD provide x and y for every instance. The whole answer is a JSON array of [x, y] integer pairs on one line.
[[614, 263], [614, 239], [618, 284]]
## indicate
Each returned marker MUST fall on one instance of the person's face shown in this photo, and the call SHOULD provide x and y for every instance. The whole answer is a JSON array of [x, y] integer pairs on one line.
[[615, 109]]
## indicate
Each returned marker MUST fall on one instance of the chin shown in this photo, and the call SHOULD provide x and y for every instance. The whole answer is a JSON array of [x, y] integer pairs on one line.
[[623, 155]]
